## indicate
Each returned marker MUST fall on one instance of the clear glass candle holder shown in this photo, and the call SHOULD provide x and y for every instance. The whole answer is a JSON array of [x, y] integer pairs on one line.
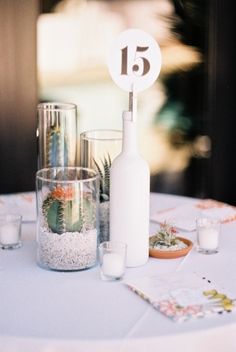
[[67, 218], [57, 135], [112, 258], [208, 232], [10, 231], [98, 149]]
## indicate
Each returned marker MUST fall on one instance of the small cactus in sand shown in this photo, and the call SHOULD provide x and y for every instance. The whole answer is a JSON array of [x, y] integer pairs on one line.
[[65, 211]]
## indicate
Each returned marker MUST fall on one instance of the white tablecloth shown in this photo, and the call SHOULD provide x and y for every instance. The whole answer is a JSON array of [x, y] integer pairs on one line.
[[76, 311]]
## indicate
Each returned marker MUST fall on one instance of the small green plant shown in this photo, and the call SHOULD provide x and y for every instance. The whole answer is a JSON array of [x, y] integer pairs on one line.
[[104, 172], [64, 213], [165, 236]]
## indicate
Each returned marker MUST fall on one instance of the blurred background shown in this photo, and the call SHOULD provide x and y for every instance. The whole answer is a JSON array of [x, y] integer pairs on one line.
[[56, 50]]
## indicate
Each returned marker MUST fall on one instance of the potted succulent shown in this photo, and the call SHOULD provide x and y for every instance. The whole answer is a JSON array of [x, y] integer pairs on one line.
[[166, 244]]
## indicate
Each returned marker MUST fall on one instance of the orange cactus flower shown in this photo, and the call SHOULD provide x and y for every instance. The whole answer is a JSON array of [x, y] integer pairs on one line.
[[61, 193]]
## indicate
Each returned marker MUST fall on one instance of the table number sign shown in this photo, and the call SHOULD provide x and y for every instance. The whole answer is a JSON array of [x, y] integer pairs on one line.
[[135, 59], [134, 65]]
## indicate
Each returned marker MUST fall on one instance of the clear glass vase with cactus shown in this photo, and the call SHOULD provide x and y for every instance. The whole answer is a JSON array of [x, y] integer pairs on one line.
[[67, 228], [98, 149]]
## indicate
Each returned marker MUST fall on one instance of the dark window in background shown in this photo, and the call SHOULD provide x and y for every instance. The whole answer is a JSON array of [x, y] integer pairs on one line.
[[18, 95], [187, 120], [221, 119]]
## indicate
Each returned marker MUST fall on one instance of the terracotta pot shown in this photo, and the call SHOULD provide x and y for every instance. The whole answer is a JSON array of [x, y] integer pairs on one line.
[[157, 253]]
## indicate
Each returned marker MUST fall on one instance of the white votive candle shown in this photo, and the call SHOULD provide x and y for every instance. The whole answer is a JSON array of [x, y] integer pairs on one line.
[[10, 231], [208, 238], [113, 265], [9, 234], [208, 231]]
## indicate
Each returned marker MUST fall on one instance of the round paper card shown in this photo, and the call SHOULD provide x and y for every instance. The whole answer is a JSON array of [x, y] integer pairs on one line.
[[134, 60]]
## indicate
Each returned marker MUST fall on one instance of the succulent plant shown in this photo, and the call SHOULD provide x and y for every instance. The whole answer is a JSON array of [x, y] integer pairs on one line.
[[166, 236], [64, 213], [104, 172], [57, 148]]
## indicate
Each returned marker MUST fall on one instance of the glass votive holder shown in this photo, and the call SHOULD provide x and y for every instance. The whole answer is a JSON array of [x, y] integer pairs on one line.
[[112, 258], [208, 231], [10, 231]]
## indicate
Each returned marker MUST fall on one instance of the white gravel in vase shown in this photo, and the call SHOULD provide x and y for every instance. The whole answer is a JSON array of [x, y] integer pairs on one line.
[[67, 251]]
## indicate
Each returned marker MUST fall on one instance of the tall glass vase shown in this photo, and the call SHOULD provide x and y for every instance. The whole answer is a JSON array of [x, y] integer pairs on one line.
[[98, 148], [57, 134], [67, 218]]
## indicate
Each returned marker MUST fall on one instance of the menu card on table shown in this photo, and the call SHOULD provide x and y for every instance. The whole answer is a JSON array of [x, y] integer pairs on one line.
[[19, 203], [184, 216], [181, 296]]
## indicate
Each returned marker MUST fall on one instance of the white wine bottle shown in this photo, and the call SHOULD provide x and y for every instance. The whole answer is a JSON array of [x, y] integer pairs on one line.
[[129, 197]]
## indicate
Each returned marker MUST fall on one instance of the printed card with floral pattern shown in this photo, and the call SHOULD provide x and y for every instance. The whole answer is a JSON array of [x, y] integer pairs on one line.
[[181, 296]]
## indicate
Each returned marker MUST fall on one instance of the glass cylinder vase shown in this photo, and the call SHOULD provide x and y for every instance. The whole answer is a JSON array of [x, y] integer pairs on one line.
[[67, 218], [57, 134], [98, 148]]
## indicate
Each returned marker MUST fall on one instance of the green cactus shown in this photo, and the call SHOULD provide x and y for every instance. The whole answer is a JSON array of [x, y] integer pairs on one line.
[[68, 215], [104, 172], [57, 148]]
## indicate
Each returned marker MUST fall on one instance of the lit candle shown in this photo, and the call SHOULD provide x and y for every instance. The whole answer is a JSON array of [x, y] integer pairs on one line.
[[9, 234], [113, 265], [208, 238]]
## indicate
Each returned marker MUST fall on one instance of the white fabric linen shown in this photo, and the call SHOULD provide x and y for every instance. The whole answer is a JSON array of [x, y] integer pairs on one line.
[[76, 311], [19, 203], [184, 216]]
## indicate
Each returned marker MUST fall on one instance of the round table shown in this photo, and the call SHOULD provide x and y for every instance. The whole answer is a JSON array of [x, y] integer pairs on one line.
[[51, 311]]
